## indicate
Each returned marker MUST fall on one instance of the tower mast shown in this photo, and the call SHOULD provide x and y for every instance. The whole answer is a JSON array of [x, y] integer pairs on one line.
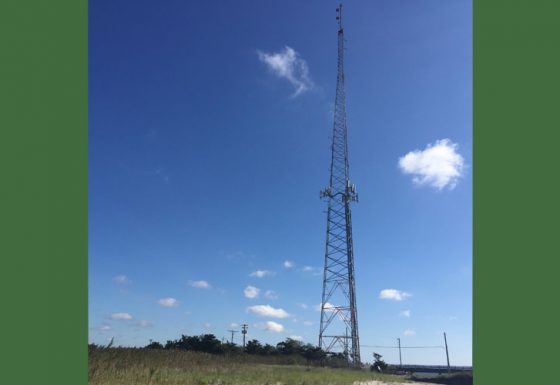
[[338, 305]]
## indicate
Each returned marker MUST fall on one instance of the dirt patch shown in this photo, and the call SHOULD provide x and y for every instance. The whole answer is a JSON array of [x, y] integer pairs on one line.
[[375, 382]]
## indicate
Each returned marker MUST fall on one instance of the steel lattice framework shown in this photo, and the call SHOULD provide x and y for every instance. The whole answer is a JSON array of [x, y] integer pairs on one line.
[[339, 315]]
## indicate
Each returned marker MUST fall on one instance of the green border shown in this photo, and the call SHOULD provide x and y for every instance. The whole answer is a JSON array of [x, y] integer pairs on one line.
[[516, 191], [43, 139]]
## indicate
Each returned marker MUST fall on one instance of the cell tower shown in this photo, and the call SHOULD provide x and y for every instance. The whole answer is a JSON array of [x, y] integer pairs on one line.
[[339, 315]]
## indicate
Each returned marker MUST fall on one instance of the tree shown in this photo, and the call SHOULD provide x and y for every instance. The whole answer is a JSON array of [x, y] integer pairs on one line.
[[336, 359], [207, 343], [253, 347], [313, 353], [210, 344], [230, 348], [290, 346], [153, 345], [268, 350]]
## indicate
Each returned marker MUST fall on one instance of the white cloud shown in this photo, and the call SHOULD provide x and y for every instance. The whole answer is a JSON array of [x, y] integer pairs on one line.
[[268, 311], [313, 270], [394, 294], [438, 165], [200, 284], [168, 302], [288, 264], [145, 324], [288, 65], [206, 325], [260, 273], [307, 323], [303, 305], [274, 327], [328, 307], [409, 332], [121, 280], [238, 256], [405, 313], [296, 338], [251, 292], [104, 328], [233, 325], [271, 294], [121, 316]]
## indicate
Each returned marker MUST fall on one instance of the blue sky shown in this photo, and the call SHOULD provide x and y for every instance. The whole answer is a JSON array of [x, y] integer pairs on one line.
[[209, 127]]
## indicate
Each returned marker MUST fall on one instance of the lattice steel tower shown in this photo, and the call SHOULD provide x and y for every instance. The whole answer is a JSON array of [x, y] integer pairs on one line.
[[339, 315]]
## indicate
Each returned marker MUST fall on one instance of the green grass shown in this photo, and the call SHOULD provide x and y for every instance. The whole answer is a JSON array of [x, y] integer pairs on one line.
[[124, 366]]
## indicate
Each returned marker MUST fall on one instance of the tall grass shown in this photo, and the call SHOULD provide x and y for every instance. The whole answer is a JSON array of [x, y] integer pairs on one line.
[[124, 366]]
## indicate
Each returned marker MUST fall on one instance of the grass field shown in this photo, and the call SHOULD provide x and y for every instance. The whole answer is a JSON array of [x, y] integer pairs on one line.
[[126, 366]]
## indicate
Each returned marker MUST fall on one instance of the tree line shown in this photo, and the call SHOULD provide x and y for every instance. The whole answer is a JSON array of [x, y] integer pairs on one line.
[[208, 343]]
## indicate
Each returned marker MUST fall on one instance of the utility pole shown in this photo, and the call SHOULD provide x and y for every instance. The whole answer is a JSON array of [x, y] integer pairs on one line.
[[244, 332], [346, 347], [232, 331], [446, 353], [338, 305], [400, 357]]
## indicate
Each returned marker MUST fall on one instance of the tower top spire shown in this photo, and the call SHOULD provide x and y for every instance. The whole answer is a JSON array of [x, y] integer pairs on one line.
[[339, 17]]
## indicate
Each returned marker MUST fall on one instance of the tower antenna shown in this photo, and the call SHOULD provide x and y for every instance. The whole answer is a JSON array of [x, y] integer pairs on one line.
[[339, 16], [338, 305]]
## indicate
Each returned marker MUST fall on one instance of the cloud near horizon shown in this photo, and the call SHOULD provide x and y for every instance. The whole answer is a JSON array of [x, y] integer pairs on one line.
[[439, 165], [315, 271], [200, 284], [274, 327], [168, 302], [288, 264], [409, 333], [270, 294], [251, 292], [328, 307], [296, 338], [121, 316], [288, 64], [394, 294], [405, 313], [121, 280], [260, 273], [268, 311]]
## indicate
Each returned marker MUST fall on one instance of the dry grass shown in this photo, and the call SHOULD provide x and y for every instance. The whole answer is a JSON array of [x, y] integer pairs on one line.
[[125, 366]]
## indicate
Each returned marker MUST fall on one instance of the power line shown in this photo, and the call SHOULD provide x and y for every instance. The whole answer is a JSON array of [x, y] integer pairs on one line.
[[402, 347], [446, 353], [244, 328], [232, 332], [413, 347], [400, 356]]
